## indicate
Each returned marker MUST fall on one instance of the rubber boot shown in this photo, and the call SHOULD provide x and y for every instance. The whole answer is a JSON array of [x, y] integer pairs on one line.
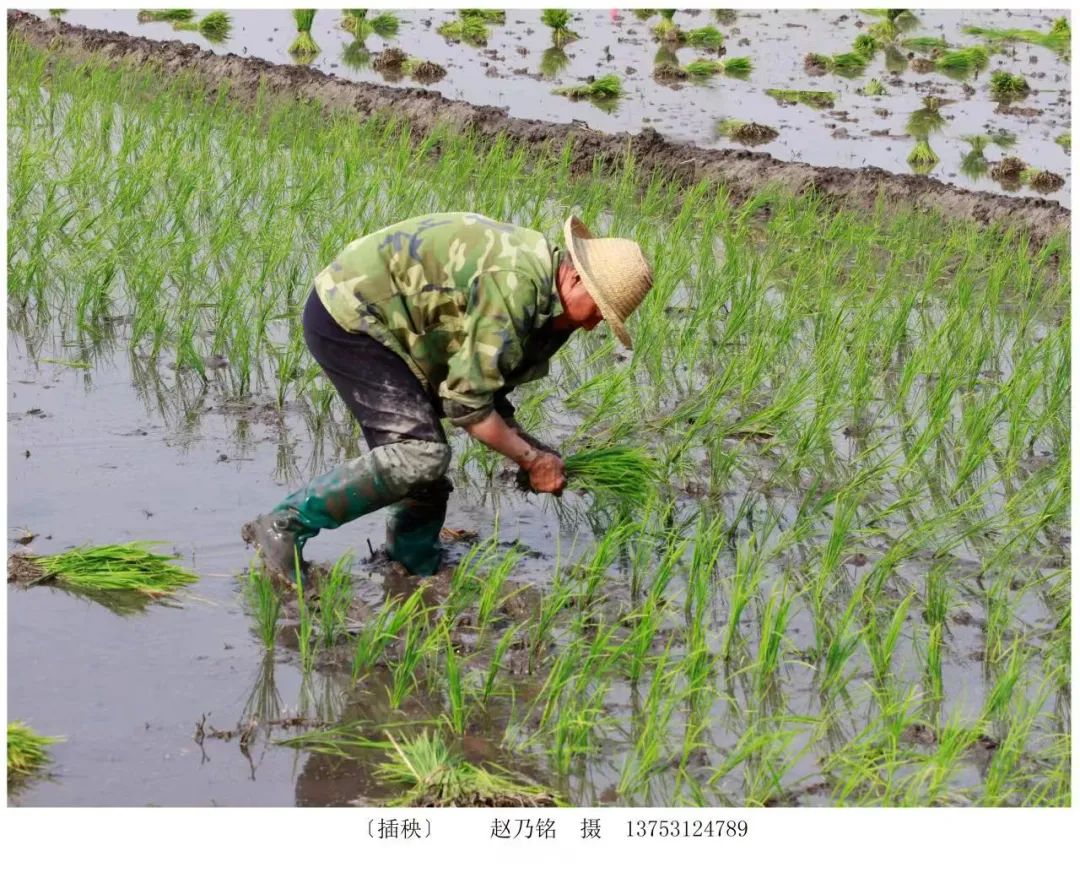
[[413, 526], [354, 488]]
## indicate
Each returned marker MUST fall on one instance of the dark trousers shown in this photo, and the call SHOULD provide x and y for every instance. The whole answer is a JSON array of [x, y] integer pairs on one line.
[[381, 391]]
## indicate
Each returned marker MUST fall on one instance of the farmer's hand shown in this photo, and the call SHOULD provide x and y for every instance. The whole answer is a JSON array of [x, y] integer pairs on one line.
[[547, 474]]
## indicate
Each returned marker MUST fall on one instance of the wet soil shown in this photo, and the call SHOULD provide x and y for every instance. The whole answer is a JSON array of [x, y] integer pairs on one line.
[[743, 172]]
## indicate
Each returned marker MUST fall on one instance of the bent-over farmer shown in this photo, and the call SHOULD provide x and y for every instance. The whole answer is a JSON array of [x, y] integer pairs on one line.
[[435, 317]]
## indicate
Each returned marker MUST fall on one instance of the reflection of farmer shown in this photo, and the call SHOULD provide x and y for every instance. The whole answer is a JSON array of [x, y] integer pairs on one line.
[[441, 316]]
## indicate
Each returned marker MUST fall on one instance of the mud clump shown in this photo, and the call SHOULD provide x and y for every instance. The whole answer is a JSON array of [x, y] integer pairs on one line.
[[665, 71], [390, 60], [923, 65], [742, 173], [1008, 169], [23, 569], [815, 65]]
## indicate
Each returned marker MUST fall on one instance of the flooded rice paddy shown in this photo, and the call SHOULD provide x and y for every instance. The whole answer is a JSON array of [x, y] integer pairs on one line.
[[850, 586], [517, 69]]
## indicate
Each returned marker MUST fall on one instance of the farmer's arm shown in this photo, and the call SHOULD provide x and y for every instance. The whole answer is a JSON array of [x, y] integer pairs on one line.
[[498, 319], [506, 411]]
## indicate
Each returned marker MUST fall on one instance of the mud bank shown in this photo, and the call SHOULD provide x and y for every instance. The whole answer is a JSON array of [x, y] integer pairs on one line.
[[742, 172]]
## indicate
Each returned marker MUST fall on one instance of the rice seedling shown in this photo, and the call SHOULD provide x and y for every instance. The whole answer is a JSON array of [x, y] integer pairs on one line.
[[818, 100], [558, 20], [381, 631], [922, 157], [707, 37], [215, 26], [1041, 180], [928, 45], [27, 751], [749, 133], [465, 30], [356, 22], [666, 30], [491, 16], [843, 64], [866, 45], [304, 46], [306, 626], [265, 603], [553, 61], [602, 88], [1005, 86], [434, 776], [873, 88], [1057, 40], [422, 70], [626, 472], [1064, 141], [166, 14], [963, 62], [126, 567], [335, 600]]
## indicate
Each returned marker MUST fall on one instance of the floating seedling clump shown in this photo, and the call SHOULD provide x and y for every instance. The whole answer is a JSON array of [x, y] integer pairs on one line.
[[166, 14], [705, 67], [844, 64], [1005, 86], [1008, 169], [963, 62], [928, 45], [27, 751], [422, 70], [465, 30], [922, 158], [818, 100], [304, 45], [356, 22], [1057, 40], [707, 37], [559, 22], [873, 89], [128, 567], [215, 26], [389, 60], [748, 133]]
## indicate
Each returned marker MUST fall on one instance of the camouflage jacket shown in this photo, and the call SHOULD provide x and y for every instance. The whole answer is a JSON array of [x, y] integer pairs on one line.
[[466, 301]]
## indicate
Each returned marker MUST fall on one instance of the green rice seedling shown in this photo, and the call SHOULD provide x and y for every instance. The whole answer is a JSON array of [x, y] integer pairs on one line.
[[624, 471], [873, 88], [265, 603], [27, 751], [666, 30], [928, 45], [458, 717], [403, 671], [512, 635], [335, 600], [465, 30], [491, 16], [435, 776], [356, 22], [1064, 141], [306, 626], [749, 133], [963, 62], [1006, 86], [704, 67], [707, 37], [745, 584], [774, 622], [215, 26], [738, 66], [385, 25], [304, 46], [843, 64], [553, 61], [1041, 180], [818, 100], [382, 630], [865, 45], [558, 20], [166, 14], [127, 567], [882, 646], [607, 87], [1057, 40], [491, 592], [922, 158]]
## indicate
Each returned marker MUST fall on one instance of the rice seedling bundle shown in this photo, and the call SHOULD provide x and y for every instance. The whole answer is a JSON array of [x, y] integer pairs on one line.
[[166, 14], [665, 29], [707, 37], [738, 66], [843, 64], [750, 133], [1005, 86], [27, 751], [866, 46], [925, 44], [1064, 141], [491, 16], [963, 61], [468, 30], [1057, 40], [423, 70], [626, 471], [922, 158], [874, 88], [1010, 166], [818, 100], [1041, 181], [304, 45], [129, 567], [558, 20], [704, 67], [215, 26], [603, 87]]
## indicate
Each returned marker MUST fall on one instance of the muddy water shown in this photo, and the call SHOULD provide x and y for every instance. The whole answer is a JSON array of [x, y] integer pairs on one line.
[[858, 132]]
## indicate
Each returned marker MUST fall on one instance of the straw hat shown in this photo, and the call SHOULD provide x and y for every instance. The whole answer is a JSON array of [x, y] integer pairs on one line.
[[614, 271]]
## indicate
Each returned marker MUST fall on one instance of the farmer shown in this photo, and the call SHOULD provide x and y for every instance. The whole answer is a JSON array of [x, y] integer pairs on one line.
[[440, 317]]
